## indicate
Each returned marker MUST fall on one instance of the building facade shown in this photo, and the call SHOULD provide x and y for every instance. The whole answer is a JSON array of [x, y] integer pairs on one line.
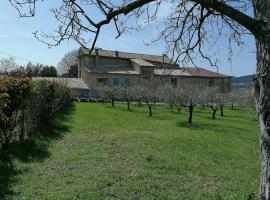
[[103, 67]]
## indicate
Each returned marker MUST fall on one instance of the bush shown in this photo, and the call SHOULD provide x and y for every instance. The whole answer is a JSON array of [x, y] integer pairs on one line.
[[26, 105], [14, 92], [48, 98]]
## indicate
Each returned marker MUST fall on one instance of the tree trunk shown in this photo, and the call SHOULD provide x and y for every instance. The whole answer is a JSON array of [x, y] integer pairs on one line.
[[128, 105], [214, 113], [22, 131], [190, 115], [150, 110], [262, 95], [113, 102], [221, 110]]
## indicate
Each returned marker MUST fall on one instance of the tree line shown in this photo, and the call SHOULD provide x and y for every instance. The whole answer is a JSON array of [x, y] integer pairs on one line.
[[8, 67], [187, 95]]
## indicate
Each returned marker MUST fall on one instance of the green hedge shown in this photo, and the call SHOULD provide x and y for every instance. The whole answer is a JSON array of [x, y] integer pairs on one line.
[[26, 105]]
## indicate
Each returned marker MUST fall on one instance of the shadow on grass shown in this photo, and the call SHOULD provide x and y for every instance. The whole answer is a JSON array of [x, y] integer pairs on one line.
[[196, 125], [123, 108], [34, 149]]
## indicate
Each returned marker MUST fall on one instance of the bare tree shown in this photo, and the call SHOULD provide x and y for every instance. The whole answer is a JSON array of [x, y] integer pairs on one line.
[[177, 97], [7, 65], [126, 94], [245, 98], [188, 32], [69, 63], [108, 93], [138, 94], [167, 94], [150, 98], [192, 96], [233, 98], [212, 94], [223, 99]]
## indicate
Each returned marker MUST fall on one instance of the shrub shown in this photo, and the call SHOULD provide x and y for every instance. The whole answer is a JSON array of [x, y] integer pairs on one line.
[[26, 105], [48, 98], [14, 92]]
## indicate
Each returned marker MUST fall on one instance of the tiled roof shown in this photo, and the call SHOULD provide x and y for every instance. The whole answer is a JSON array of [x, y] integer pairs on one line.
[[200, 72], [116, 70], [124, 72], [147, 57], [171, 72], [142, 62], [69, 82]]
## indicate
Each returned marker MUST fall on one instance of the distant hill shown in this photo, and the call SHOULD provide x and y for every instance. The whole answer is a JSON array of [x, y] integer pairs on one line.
[[241, 82]]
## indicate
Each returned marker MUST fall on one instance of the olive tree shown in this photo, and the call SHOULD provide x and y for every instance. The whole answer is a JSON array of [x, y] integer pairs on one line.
[[192, 27]]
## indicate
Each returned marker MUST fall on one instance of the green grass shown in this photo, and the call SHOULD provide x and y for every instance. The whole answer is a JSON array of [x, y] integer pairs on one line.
[[99, 152]]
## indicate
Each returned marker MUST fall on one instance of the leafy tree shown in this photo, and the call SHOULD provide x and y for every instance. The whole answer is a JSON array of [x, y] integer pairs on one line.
[[48, 71], [33, 69], [29, 70]]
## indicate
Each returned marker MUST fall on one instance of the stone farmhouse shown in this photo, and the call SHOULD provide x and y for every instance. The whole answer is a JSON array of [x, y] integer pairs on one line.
[[103, 67]]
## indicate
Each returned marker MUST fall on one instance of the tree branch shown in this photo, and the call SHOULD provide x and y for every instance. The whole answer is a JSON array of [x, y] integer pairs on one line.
[[254, 26]]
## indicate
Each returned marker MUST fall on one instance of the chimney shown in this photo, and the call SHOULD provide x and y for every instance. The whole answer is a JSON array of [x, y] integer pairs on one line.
[[96, 51], [163, 59]]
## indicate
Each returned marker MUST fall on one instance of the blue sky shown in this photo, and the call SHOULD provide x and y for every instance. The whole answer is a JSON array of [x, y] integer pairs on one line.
[[16, 38]]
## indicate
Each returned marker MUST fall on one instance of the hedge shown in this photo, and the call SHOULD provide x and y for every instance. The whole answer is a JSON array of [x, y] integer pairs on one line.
[[26, 105]]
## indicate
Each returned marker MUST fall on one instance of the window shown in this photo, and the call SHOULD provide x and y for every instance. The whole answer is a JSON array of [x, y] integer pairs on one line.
[[211, 82], [174, 82], [102, 81], [146, 73], [115, 81], [127, 82]]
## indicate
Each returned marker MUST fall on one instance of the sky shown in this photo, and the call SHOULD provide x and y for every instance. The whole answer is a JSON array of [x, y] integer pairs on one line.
[[16, 39]]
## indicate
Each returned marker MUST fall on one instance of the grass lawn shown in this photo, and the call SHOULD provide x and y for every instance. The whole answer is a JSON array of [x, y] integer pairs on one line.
[[99, 152]]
